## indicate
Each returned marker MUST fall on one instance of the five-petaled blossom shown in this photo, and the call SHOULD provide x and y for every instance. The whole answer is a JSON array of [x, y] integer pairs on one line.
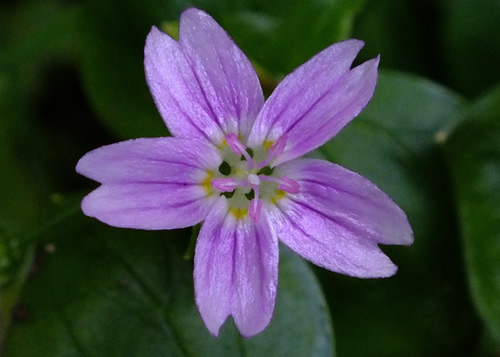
[[234, 164]]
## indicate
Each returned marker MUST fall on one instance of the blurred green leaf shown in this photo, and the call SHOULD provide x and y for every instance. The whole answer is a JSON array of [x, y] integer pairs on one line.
[[278, 35], [470, 38], [17, 254], [101, 291], [394, 143], [20, 63], [22, 196], [281, 35], [473, 153], [403, 33], [36, 34], [113, 35], [36, 37]]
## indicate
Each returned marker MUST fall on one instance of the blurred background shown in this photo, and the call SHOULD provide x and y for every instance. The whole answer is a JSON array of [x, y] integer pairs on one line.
[[72, 79]]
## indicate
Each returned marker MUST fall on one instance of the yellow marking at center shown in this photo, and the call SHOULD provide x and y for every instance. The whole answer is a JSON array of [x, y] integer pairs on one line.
[[207, 183], [278, 196], [222, 145], [239, 213], [267, 144]]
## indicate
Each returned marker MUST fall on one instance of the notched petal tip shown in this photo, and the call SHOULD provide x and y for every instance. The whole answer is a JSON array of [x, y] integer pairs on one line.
[[252, 331], [408, 238], [196, 13], [382, 271], [155, 31], [202, 84], [351, 45], [314, 102], [86, 165], [338, 220], [235, 271], [154, 36], [213, 328], [87, 207], [80, 167], [245, 331]]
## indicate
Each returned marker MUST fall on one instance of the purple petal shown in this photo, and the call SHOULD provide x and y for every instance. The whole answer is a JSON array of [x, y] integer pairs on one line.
[[337, 219], [158, 183], [156, 160], [203, 85], [148, 206], [317, 100], [350, 198], [224, 74], [235, 271], [175, 91]]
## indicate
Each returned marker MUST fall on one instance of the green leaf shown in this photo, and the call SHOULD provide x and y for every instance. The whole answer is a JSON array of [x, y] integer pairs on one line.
[[281, 35], [24, 151], [15, 262], [473, 152], [400, 34], [34, 34], [424, 309], [470, 37], [39, 28], [101, 291], [113, 37], [278, 36]]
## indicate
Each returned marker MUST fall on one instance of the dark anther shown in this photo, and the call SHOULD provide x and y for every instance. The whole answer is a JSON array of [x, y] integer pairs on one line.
[[224, 168], [250, 195], [265, 171]]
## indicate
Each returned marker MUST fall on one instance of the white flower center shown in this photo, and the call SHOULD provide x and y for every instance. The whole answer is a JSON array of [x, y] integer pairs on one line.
[[246, 182]]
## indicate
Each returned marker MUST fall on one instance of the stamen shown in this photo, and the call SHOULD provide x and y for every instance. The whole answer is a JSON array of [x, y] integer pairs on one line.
[[234, 143], [275, 151], [238, 148], [254, 209], [252, 176], [278, 147], [226, 184], [285, 184], [289, 185], [255, 204]]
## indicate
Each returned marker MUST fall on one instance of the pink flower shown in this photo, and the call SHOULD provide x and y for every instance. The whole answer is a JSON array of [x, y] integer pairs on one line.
[[233, 164]]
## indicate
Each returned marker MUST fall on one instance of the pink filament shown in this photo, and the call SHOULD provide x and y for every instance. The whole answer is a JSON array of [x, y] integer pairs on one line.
[[286, 184], [226, 184], [238, 148], [275, 151], [254, 209]]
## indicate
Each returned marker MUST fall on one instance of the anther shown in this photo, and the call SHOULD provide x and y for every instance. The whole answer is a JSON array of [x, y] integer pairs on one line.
[[225, 184], [255, 204], [254, 209]]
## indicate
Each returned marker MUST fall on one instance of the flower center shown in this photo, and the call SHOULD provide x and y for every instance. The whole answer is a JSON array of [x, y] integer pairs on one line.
[[247, 181]]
